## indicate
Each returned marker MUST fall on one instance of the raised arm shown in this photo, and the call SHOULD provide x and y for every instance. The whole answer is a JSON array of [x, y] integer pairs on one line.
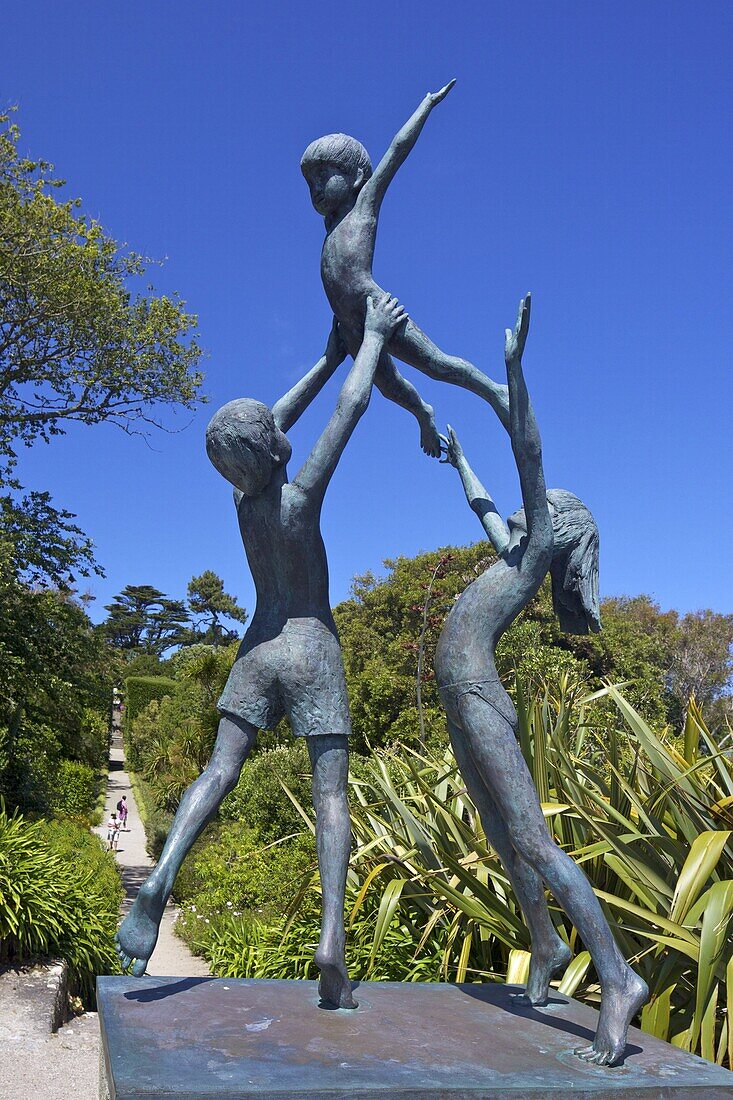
[[293, 404], [383, 317], [525, 436], [372, 193], [477, 496]]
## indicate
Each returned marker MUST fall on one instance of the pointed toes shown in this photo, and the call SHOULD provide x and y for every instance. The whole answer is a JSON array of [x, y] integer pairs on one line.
[[585, 1053], [595, 1057]]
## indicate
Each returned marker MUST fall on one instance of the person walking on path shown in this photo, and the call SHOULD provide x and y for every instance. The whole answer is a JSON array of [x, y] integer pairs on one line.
[[122, 811], [113, 832]]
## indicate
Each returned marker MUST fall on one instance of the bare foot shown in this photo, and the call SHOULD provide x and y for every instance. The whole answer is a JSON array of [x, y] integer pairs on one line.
[[334, 987], [429, 436], [137, 935], [618, 1007], [542, 968]]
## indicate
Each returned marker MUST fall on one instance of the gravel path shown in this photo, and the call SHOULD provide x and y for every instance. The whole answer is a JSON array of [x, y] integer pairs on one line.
[[46, 1067]]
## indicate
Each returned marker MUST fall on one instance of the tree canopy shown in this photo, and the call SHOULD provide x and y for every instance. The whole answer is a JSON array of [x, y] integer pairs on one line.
[[391, 625], [208, 602], [56, 676], [144, 619]]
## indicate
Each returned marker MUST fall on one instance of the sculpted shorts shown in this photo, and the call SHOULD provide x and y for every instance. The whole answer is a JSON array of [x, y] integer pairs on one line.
[[489, 690], [298, 674]]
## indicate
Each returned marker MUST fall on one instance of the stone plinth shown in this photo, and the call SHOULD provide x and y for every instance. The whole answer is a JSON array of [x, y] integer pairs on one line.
[[221, 1039]]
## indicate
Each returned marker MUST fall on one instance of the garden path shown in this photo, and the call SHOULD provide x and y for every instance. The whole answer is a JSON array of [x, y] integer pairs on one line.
[[171, 956]]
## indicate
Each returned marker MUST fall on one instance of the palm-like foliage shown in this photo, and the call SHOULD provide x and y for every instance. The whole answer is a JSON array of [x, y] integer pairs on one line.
[[59, 895], [645, 814]]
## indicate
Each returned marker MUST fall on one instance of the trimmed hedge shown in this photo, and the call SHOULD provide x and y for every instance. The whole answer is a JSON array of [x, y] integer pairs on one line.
[[140, 691]]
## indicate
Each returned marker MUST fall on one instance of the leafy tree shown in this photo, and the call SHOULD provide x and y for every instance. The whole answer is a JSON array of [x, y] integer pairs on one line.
[[144, 619], [208, 603], [75, 343], [666, 657], [56, 675], [702, 662], [43, 545], [390, 625]]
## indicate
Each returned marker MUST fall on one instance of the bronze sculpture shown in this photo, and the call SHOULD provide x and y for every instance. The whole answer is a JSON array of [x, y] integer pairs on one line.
[[289, 662], [553, 531]]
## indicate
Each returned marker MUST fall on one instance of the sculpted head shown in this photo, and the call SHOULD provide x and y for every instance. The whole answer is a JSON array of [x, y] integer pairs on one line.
[[335, 167], [245, 444], [574, 567]]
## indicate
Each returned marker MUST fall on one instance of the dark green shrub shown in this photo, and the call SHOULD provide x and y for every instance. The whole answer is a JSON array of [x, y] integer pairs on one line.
[[232, 876], [94, 739], [260, 802], [59, 895], [145, 664], [235, 870], [74, 789], [28, 781]]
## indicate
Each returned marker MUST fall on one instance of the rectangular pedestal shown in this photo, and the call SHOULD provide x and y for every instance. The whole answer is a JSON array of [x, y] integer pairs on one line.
[[221, 1039]]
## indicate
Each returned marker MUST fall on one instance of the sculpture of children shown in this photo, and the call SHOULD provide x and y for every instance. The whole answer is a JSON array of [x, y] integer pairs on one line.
[[289, 662], [348, 195], [556, 532]]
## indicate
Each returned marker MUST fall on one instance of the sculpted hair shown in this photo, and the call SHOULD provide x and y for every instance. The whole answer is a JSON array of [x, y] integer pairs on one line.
[[345, 152], [574, 568], [242, 436]]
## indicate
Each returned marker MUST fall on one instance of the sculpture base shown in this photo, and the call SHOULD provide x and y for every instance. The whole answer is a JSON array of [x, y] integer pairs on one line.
[[221, 1038]]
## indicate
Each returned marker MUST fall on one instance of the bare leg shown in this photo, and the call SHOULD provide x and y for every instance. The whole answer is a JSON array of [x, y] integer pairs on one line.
[[330, 762], [550, 953], [138, 933], [493, 746], [410, 345], [394, 387]]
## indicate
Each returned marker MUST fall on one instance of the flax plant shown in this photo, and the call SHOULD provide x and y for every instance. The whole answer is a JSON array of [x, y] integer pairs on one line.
[[648, 815]]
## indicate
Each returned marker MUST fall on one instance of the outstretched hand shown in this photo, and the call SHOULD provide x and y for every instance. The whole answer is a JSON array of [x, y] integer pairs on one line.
[[336, 350], [452, 448], [438, 97], [384, 315], [514, 341]]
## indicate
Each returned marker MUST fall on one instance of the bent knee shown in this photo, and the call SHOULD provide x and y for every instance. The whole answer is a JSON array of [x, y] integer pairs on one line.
[[222, 776], [532, 842], [544, 855], [330, 791]]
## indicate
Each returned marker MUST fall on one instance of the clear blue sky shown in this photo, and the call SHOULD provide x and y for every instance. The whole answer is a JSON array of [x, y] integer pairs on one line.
[[584, 154]]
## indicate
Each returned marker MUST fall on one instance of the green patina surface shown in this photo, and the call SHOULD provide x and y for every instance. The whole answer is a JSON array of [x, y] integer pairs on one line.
[[200, 1039]]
